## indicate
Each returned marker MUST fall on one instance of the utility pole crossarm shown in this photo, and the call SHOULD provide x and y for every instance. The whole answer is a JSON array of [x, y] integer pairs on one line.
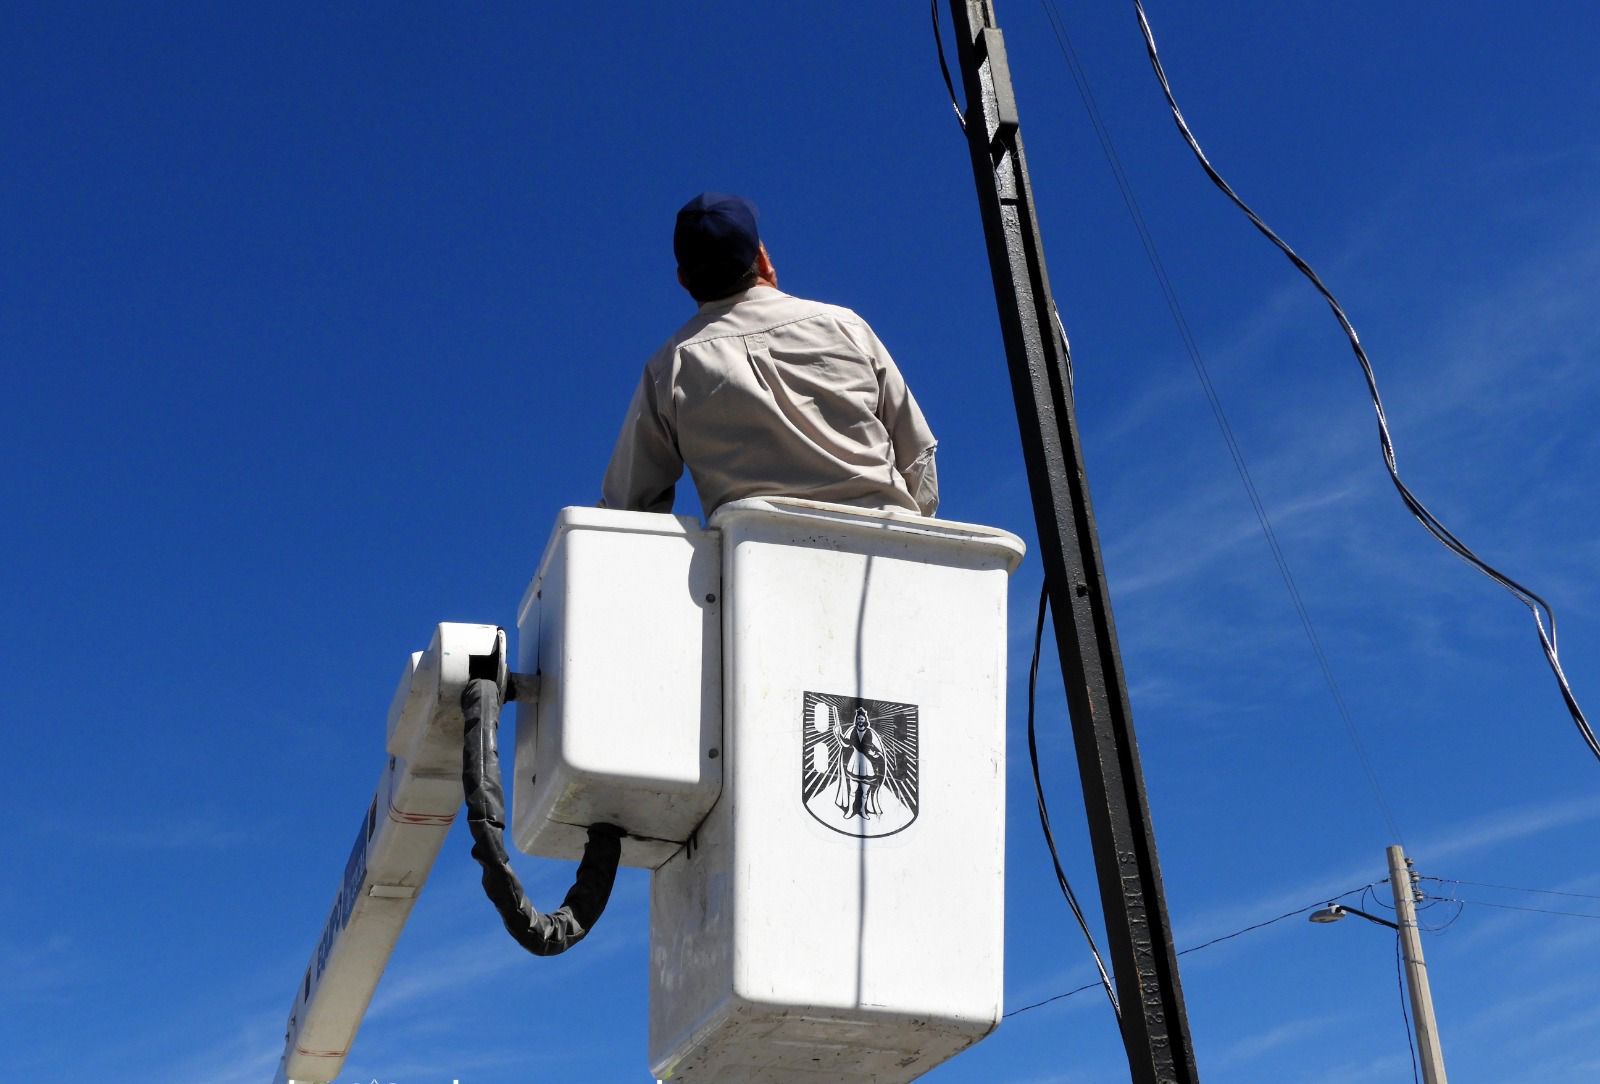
[[1155, 1027]]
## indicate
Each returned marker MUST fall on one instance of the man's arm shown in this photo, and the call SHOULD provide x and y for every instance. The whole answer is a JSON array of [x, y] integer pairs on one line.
[[645, 466], [922, 480], [912, 440]]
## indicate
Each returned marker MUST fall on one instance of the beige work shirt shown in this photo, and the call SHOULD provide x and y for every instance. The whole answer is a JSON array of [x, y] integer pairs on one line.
[[763, 395]]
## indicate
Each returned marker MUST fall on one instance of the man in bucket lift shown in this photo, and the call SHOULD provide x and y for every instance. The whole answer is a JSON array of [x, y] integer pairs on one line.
[[762, 394]]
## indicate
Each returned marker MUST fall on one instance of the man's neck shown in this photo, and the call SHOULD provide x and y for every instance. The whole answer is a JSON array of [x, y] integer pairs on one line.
[[735, 298]]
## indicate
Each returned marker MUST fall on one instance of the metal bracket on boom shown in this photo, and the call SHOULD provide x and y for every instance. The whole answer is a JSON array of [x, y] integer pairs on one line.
[[396, 843]]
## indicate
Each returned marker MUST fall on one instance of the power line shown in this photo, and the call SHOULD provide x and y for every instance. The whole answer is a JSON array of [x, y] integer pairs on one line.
[[944, 68], [1256, 926], [1202, 372], [1044, 812], [1051, 999], [1405, 1016], [1537, 606], [1515, 907], [1513, 888], [1447, 923], [1321, 902]]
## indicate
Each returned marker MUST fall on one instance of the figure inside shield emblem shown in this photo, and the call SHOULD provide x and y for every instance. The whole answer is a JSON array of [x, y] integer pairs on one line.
[[858, 763], [864, 763]]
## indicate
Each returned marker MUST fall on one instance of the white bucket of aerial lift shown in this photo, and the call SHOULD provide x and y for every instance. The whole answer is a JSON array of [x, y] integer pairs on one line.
[[622, 623], [841, 916], [395, 847], [803, 709]]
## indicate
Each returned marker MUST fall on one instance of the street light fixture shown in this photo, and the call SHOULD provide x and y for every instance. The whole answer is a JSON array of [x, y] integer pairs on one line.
[[1335, 911]]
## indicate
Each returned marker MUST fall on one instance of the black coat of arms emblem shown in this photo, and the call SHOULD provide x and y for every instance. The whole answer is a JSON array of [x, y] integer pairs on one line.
[[858, 763]]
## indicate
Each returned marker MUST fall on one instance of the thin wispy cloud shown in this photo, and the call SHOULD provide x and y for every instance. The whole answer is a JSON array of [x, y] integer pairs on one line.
[[446, 968], [1277, 1037], [37, 971], [1489, 832], [1508, 826], [244, 1053], [192, 834], [1468, 364], [1203, 548], [1386, 1068]]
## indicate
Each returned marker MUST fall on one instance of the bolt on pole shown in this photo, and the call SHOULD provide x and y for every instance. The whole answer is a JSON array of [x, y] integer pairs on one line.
[[1155, 1026]]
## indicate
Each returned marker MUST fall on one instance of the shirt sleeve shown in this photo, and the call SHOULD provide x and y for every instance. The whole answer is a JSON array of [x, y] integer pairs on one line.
[[912, 441], [645, 466], [922, 481]]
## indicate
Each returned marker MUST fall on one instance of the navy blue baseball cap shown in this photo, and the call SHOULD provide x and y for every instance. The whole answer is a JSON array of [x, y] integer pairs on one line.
[[716, 234]]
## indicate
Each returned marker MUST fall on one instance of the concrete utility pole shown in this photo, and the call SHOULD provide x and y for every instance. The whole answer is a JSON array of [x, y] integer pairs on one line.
[[1428, 1049]]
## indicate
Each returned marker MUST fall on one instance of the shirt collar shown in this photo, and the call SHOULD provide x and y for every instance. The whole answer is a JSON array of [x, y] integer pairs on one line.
[[743, 295]]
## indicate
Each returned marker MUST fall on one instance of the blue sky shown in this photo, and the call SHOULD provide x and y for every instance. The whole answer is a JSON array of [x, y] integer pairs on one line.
[[284, 293]]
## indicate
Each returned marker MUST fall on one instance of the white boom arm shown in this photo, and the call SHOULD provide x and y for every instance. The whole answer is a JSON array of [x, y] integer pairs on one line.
[[399, 837]]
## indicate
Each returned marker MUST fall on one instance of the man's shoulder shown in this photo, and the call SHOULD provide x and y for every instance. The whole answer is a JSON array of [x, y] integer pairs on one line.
[[761, 309], [789, 307], [755, 312]]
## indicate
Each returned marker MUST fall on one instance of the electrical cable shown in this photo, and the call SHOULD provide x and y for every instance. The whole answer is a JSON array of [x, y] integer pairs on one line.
[[1447, 923], [1322, 901], [1044, 812], [540, 934], [1108, 149], [1537, 606], [1515, 907], [1512, 888], [1257, 926], [1405, 1015], [1064, 884], [1051, 999], [944, 68], [950, 87], [1066, 353]]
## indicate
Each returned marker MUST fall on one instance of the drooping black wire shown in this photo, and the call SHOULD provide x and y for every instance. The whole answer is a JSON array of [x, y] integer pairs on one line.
[[1108, 149], [1044, 811], [1405, 1010], [1536, 605], [944, 69], [1256, 926], [1447, 923], [1321, 902], [1512, 888]]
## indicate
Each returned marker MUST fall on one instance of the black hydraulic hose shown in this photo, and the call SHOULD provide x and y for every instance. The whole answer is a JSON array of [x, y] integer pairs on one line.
[[542, 935]]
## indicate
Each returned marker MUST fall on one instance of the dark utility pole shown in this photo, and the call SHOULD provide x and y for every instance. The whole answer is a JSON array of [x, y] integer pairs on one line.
[[1155, 1027]]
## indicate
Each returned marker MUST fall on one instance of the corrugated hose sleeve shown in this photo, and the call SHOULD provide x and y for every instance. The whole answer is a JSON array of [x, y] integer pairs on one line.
[[542, 935]]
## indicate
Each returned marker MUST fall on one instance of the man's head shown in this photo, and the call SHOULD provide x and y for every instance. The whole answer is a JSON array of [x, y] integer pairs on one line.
[[718, 247]]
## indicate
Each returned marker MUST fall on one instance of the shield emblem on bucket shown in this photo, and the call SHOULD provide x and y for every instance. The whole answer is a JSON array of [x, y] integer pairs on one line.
[[858, 763]]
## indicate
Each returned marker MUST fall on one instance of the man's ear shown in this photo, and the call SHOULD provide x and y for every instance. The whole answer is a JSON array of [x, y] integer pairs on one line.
[[685, 285], [764, 269]]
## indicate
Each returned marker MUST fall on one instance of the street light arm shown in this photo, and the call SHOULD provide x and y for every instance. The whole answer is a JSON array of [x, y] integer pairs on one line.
[[1369, 918], [1335, 911]]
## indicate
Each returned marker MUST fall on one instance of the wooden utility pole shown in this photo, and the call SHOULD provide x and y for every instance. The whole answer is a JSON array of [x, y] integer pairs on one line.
[[1429, 1052]]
